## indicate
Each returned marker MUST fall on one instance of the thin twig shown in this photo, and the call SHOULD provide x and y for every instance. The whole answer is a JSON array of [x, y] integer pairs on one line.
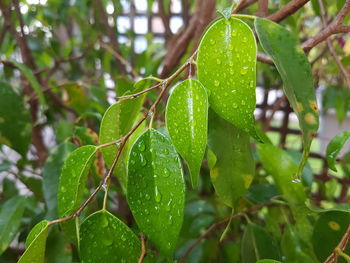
[[287, 10], [143, 249], [135, 95]]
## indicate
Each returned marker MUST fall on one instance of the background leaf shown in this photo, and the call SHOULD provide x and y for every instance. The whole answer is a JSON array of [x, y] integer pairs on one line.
[[187, 122], [233, 169], [15, 127], [334, 147], [156, 189], [227, 52], [295, 70], [10, 219], [35, 244], [104, 238]]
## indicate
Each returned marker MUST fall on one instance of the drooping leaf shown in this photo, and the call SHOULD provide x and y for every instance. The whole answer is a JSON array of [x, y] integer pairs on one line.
[[328, 231], [227, 69], [104, 238], [282, 166], [230, 160], [32, 80], [15, 127], [284, 49], [58, 249], [187, 121], [156, 189], [36, 244], [334, 147], [10, 218], [51, 176], [117, 121], [75, 97], [258, 244], [72, 185]]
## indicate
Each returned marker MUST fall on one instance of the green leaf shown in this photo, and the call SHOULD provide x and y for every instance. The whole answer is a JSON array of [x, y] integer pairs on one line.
[[73, 178], [75, 97], [257, 244], [51, 175], [117, 121], [227, 12], [156, 189], [282, 166], [35, 244], [72, 185], [15, 124], [227, 69], [334, 147], [187, 121], [11, 214], [234, 168], [331, 227], [58, 250], [291, 62], [34, 184], [32, 80], [104, 238]]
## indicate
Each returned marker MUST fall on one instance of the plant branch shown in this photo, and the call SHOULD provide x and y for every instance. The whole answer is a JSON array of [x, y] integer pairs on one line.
[[330, 45], [287, 10], [340, 247], [143, 249]]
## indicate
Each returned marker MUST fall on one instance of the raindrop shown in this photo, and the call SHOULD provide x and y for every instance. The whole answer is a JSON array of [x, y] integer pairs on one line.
[[216, 83], [244, 39], [141, 146], [218, 61], [107, 241], [148, 197], [296, 180], [244, 70], [166, 172], [212, 41], [104, 222], [143, 160], [158, 196], [117, 143]]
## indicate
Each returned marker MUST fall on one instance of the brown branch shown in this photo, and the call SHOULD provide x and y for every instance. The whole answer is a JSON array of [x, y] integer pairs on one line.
[[263, 8], [334, 27], [287, 10], [340, 247], [143, 249], [330, 45], [165, 19]]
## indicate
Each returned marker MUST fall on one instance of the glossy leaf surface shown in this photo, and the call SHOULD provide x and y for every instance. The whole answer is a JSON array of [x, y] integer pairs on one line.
[[15, 128], [227, 69], [291, 62], [156, 189], [36, 244], [257, 244], [328, 231], [51, 175], [104, 238], [230, 160], [187, 121], [334, 147], [10, 219], [73, 178]]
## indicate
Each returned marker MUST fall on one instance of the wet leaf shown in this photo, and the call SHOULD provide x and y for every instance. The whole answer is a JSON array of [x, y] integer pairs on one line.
[[15, 124], [156, 189], [36, 244], [72, 185], [328, 231], [51, 175], [227, 69], [291, 62], [257, 244], [10, 219], [334, 147], [58, 249], [233, 169], [117, 121], [187, 121], [104, 238]]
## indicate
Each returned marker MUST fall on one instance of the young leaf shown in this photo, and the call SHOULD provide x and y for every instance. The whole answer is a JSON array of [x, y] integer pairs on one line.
[[73, 178], [11, 214], [51, 176], [104, 238], [187, 121], [230, 160], [72, 184], [156, 189], [330, 226], [227, 69], [334, 147], [15, 128], [35, 244], [295, 70], [117, 121], [257, 244]]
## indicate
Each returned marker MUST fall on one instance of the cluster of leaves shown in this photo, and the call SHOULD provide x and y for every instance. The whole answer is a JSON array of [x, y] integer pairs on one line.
[[209, 124]]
